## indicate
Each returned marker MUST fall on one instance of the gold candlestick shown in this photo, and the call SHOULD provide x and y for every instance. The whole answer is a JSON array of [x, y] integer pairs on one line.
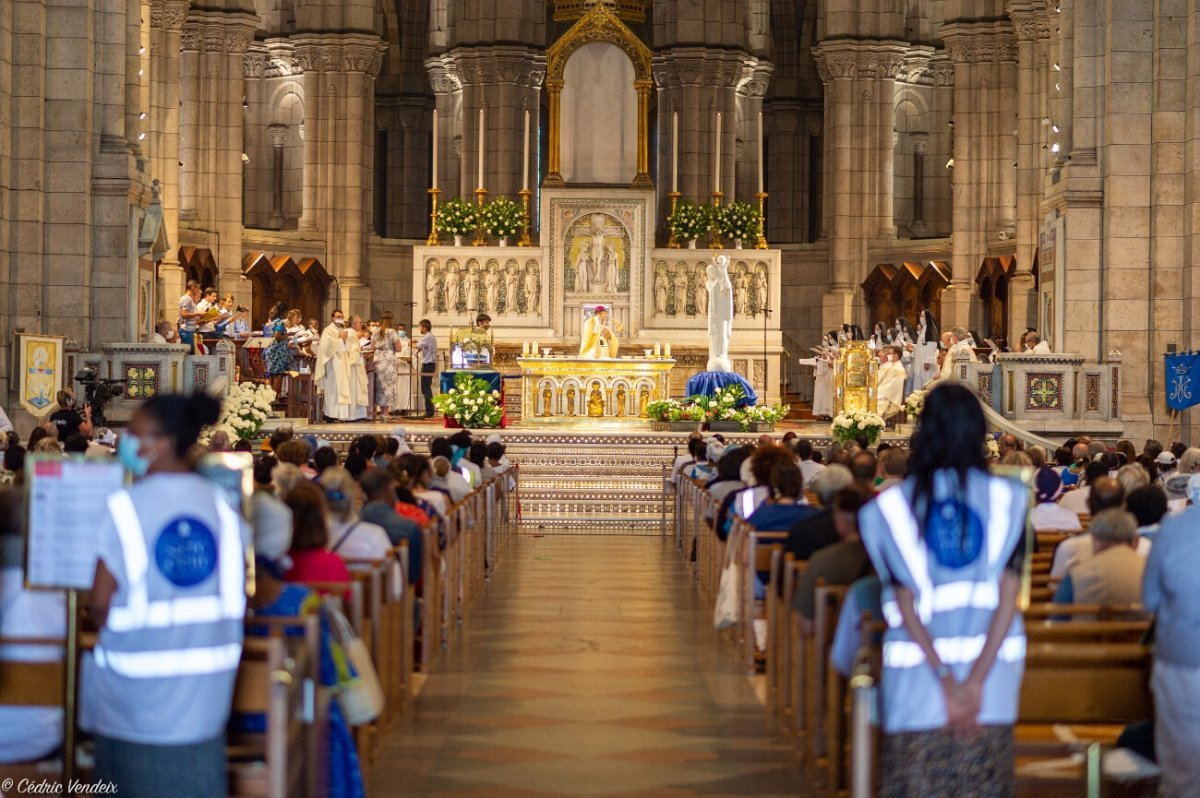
[[673, 243], [434, 238], [715, 243], [525, 241], [480, 236], [761, 242]]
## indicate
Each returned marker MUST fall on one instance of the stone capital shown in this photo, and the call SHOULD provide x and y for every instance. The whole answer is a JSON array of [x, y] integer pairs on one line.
[[846, 59], [980, 43], [278, 134], [168, 15], [254, 63], [339, 53], [919, 142], [482, 66]]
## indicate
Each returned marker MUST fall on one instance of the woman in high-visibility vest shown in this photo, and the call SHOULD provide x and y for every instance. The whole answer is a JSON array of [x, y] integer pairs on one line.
[[170, 600], [947, 543]]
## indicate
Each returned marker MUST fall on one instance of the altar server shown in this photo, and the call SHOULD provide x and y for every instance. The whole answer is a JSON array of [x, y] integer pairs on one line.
[[889, 386], [925, 351]]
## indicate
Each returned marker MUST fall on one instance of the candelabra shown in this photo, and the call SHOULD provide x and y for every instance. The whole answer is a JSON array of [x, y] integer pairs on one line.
[[715, 243], [525, 240], [761, 242], [434, 239], [673, 243], [480, 236]]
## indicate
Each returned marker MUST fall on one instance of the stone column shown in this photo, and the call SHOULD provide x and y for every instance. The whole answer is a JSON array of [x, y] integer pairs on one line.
[[447, 96], [278, 135], [339, 88], [920, 145], [1033, 123], [984, 179], [166, 23], [860, 79], [214, 47]]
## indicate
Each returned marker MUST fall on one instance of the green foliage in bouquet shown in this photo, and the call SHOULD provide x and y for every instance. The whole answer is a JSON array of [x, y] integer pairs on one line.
[[738, 220], [502, 218], [471, 402], [690, 220], [457, 217]]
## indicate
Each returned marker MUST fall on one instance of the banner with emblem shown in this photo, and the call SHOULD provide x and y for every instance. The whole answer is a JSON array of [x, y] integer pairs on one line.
[[1183, 380], [40, 371]]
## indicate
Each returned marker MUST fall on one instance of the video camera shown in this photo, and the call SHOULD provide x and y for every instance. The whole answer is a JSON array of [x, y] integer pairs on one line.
[[98, 392]]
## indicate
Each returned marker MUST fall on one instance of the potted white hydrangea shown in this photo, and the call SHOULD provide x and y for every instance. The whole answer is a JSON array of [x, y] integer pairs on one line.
[[244, 410], [851, 424]]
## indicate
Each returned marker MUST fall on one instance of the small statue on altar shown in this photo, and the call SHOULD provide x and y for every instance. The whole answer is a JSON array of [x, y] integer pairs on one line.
[[598, 339], [471, 284], [741, 291], [547, 397], [595, 404], [701, 294], [720, 314], [681, 290], [491, 285], [453, 280], [758, 287], [571, 400], [622, 397], [533, 290], [433, 288], [511, 280], [643, 401], [661, 288]]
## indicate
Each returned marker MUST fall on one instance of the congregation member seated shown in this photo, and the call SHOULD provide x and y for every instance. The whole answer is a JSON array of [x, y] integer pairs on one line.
[[705, 454], [809, 468], [727, 482], [1106, 493], [379, 489], [26, 733], [1047, 514], [842, 563], [323, 458], [495, 457], [756, 474], [1131, 477], [863, 466], [891, 467], [361, 455], [266, 509], [1148, 505], [684, 459], [406, 504], [420, 473], [297, 452], [349, 536], [455, 485], [810, 535], [1113, 572], [278, 436], [785, 506], [273, 597], [1076, 501], [460, 447], [1072, 473], [13, 471], [311, 559]]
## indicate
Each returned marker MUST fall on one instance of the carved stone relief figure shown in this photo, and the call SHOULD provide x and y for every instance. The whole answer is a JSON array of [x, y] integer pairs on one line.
[[491, 283], [453, 281], [471, 284], [533, 289], [701, 292], [511, 280], [662, 287], [622, 397], [741, 288], [681, 289], [433, 289], [758, 284]]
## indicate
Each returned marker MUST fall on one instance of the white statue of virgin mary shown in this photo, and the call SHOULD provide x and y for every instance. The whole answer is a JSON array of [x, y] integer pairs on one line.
[[720, 313]]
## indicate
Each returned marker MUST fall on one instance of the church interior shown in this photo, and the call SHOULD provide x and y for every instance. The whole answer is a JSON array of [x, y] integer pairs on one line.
[[986, 168]]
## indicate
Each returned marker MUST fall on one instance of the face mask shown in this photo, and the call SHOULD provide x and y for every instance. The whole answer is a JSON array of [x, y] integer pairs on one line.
[[340, 322], [402, 334], [127, 453]]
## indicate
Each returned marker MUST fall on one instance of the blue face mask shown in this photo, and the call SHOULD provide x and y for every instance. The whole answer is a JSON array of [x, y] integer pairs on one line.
[[402, 334], [127, 453]]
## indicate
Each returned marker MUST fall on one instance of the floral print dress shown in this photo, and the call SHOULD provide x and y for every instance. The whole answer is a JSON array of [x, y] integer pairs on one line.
[[277, 356], [386, 371]]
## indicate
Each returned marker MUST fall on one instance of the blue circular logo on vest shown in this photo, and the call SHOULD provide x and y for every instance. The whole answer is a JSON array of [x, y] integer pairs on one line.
[[186, 552], [953, 533]]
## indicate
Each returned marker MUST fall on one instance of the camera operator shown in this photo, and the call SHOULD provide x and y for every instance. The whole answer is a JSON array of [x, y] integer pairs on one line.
[[67, 419]]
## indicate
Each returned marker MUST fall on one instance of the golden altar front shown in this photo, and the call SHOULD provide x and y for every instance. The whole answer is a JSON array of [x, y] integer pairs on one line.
[[854, 378], [575, 389]]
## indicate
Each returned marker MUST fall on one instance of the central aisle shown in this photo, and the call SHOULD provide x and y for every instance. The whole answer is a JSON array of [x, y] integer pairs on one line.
[[588, 668]]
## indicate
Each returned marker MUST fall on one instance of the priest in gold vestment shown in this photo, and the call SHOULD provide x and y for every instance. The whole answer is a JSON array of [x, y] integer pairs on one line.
[[598, 339], [341, 372]]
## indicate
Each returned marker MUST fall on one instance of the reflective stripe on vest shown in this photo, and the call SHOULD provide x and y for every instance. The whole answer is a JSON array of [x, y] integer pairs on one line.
[[951, 650], [950, 597], [140, 613], [164, 664]]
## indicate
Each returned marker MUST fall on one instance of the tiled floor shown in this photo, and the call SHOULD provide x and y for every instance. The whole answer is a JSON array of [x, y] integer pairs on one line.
[[588, 668]]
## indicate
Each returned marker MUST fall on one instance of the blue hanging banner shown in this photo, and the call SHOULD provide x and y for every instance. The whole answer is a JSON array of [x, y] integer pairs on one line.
[[1183, 380]]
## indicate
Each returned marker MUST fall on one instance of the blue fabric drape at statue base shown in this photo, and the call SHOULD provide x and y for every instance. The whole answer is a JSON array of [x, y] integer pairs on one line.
[[706, 383], [492, 378]]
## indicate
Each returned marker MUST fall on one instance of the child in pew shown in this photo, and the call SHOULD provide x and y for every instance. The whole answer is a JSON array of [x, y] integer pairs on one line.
[[27, 734], [275, 598]]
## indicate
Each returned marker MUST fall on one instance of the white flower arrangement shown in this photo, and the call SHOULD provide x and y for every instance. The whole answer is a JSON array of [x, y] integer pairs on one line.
[[991, 447], [851, 424], [762, 414], [243, 412], [915, 403], [471, 402]]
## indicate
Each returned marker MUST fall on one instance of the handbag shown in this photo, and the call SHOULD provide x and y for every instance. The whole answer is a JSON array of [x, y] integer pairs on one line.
[[728, 610], [358, 691]]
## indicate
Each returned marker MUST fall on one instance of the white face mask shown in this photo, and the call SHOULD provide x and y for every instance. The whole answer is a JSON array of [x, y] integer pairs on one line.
[[340, 322]]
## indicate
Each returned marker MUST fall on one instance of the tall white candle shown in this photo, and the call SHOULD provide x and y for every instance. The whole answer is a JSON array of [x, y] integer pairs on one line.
[[760, 153], [675, 152], [433, 181], [717, 158], [525, 151], [479, 184]]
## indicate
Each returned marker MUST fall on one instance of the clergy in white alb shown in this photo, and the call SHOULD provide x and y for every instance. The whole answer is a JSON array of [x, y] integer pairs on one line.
[[958, 343], [889, 385], [598, 339], [342, 373]]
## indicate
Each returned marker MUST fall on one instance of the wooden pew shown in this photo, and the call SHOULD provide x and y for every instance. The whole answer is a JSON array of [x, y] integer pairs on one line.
[[755, 556], [827, 605], [271, 683], [793, 645], [32, 684], [1099, 612]]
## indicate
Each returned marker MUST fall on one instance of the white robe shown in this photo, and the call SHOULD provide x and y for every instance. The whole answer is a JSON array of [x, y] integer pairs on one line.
[[948, 361], [889, 389], [823, 388], [924, 354], [404, 376], [343, 375]]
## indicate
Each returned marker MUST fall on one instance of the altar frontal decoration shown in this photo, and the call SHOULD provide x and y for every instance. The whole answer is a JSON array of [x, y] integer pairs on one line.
[[471, 402], [41, 371], [1183, 380]]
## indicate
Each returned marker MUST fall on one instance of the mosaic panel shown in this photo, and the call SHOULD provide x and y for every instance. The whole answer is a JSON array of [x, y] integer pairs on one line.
[[200, 376], [1043, 392], [984, 388], [141, 379], [1091, 392]]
